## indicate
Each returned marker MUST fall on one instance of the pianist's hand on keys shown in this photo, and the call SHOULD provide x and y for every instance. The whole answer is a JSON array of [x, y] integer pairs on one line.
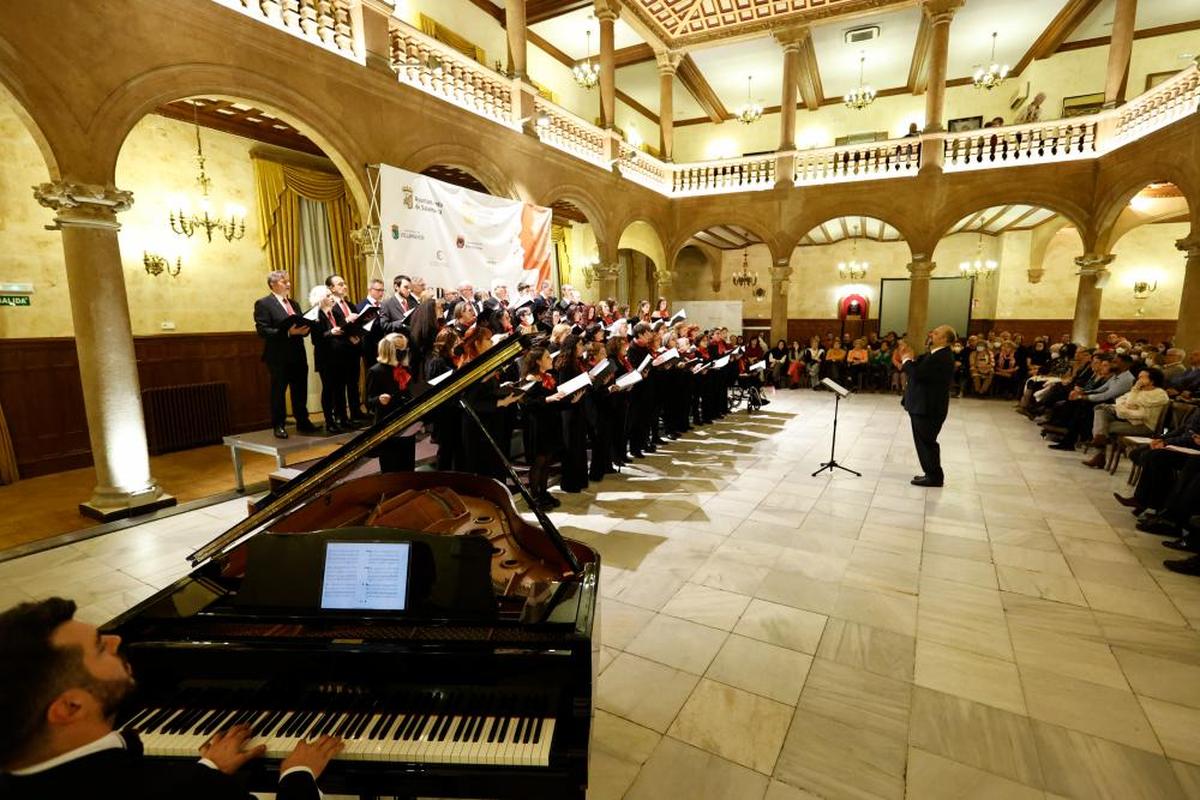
[[227, 750]]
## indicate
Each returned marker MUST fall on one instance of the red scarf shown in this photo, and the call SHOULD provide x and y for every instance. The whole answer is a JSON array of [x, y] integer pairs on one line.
[[402, 376], [548, 381], [625, 361], [720, 348]]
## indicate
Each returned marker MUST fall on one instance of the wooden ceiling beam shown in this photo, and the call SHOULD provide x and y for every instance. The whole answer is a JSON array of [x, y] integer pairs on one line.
[[1015, 224], [492, 10], [845, 228], [638, 107], [1063, 25], [634, 54], [291, 138], [971, 221], [809, 82], [693, 80], [541, 10], [918, 68], [713, 233], [1146, 33], [988, 222]]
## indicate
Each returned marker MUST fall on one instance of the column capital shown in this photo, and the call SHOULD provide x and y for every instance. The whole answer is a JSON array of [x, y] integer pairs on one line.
[[84, 204], [668, 61], [607, 271], [1190, 245], [921, 267], [793, 37], [781, 273], [940, 12], [385, 7], [1035, 274], [607, 10], [1092, 263], [664, 278]]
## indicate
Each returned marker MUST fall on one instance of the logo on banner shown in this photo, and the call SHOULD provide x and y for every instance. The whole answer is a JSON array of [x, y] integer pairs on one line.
[[408, 196], [460, 242], [395, 231], [441, 255]]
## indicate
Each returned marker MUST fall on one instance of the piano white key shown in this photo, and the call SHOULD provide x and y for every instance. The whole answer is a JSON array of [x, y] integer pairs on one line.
[[543, 752], [360, 749]]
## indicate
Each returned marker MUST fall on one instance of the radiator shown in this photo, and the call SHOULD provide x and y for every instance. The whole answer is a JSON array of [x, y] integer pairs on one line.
[[179, 417]]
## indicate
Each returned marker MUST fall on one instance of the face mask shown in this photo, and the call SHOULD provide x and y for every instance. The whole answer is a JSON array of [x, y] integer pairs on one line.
[[1121, 350], [981, 348], [957, 348]]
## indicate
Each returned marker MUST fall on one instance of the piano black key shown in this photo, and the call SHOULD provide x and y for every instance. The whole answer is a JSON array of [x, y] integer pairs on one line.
[[503, 730], [537, 731], [275, 723], [382, 726], [137, 718], [462, 725]]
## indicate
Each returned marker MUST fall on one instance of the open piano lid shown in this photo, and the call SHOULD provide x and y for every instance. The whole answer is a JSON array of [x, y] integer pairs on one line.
[[326, 472]]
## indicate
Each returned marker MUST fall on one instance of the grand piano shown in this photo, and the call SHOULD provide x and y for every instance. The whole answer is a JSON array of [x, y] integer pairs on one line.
[[478, 685]]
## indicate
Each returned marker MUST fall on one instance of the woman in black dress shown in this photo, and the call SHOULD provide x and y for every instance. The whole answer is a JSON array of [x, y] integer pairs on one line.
[[445, 421], [574, 421], [599, 414], [543, 424], [326, 334], [387, 388], [488, 400], [618, 402]]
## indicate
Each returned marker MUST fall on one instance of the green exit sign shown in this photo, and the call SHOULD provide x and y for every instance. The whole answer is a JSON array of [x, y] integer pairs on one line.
[[14, 300]]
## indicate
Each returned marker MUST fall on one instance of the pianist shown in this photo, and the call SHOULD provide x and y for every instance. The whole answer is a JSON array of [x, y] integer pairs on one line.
[[61, 683]]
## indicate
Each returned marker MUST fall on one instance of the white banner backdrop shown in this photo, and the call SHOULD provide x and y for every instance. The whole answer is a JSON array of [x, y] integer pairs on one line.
[[450, 235]]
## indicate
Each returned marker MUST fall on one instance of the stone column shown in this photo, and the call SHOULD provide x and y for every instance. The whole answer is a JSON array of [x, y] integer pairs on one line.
[[668, 62], [939, 14], [606, 280], [607, 14], [663, 281], [1093, 272], [781, 273], [376, 33], [786, 164], [919, 271], [1187, 330], [87, 217], [1119, 48], [514, 25]]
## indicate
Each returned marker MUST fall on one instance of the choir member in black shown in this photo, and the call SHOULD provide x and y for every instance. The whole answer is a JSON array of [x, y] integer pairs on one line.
[[618, 402], [488, 400], [423, 326], [371, 338], [328, 341], [659, 382], [574, 422], [543, 424], [348, 357], [464, 317], [640, 396], [599, 414], [388, 387], [702, 401], [445, 422]]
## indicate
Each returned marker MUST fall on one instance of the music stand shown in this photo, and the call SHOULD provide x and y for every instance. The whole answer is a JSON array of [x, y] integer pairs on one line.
[[839, 392]]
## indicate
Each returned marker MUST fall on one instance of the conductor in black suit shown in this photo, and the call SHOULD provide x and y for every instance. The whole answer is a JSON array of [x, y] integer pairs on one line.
[[283, 353], [927, 399], [61, 684]]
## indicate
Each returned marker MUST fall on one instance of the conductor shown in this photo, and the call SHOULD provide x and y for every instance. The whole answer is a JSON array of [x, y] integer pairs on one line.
[[927, 399]]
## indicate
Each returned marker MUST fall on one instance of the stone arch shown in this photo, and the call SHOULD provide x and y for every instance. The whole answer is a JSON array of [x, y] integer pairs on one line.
[[139, 96], [1113, 202], [958, 209], [468, 159], [32, 127], [583, 200], [801, 225], [658, 257], [733, 216]]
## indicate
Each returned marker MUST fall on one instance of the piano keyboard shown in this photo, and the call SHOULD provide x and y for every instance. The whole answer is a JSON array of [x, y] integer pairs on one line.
[[428, 736]]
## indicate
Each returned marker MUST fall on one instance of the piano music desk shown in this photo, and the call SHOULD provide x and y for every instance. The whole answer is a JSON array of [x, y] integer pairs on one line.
[[266, 443]]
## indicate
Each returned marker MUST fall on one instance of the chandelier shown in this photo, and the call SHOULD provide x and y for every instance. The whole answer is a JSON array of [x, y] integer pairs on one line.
[[864, 95], [979, 268], [745, 277], [853, 270], [752, 110], [994, 75], [587, 72], [232, 224]]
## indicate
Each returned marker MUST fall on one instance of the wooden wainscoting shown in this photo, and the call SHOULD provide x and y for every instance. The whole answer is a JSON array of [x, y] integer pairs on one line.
[[1153, 330], [42, 397]]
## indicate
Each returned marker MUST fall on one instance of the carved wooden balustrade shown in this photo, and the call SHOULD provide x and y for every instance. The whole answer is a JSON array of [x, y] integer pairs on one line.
[[641, 167], [1014, 145], [1171, 100], [751, 173], [894, 158], [326, 23], [563, 130]]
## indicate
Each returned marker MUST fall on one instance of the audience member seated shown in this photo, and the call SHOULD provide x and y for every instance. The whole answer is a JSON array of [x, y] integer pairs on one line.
[[982, 369], [61, 685], [1007, 367], [1081, 405], [1135, 413], [857, 363], [814, 360], [835, 362]]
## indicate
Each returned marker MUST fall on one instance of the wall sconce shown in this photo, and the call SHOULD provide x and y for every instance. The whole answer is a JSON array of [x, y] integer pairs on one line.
[[156, 264], [589, 272], [1142, 289]]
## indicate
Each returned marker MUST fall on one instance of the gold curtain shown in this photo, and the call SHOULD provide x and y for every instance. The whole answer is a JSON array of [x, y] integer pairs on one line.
[[436, 30], [280, 187], [8, 458]]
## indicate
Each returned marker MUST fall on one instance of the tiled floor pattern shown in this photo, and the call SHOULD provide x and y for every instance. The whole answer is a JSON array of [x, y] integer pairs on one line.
[[771, 635]]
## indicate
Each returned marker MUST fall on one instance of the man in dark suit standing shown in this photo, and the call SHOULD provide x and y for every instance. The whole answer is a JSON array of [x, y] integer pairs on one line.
[[283, 353], [927, 399], [394, 309], [61, 685], [372, 338]]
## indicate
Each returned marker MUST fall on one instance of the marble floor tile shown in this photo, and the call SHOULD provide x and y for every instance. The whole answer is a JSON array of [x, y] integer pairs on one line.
[[1078, 765], [1034, 612], [1059, 588], [961, 627], [644, 692], [1151, 605], [707, 606], [934, 777], [774, 672], [857, 697], [731, 575], [620, 622], [956, 546], [1177, 727], [778, 790], [678, 643], [619, 748], [791, 590], [1030, 559], [963, 570], [1067, 655], [979, 735], [1162, 678], [676, 769], [736, 725], [782, 625], [891, 610], [1152, 638], [865, 647], [981, 678], [1089, 707], [832, 759]]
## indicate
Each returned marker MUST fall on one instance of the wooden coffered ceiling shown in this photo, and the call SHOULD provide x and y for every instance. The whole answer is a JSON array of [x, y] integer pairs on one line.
[[725, 237], [240, 119]]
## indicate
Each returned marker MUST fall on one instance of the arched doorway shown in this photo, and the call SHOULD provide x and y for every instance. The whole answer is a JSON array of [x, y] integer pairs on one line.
[[640, 256], [576, 252]]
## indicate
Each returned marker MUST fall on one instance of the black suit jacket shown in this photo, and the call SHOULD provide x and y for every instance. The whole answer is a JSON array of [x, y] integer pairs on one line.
[[929, 377], [124, 774], [279, 348], [391, 312]]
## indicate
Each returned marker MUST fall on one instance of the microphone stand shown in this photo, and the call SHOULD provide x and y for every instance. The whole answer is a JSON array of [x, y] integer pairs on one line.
[[832, 463]]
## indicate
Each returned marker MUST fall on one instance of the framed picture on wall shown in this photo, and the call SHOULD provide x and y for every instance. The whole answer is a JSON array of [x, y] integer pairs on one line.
[[1082, 104], [964, 124], [1155, 78]]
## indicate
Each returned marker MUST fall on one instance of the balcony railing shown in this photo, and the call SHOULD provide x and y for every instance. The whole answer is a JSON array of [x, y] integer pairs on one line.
[[426, 64], [437, 69], [890, 159], [325, 23], [1035, 143]]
